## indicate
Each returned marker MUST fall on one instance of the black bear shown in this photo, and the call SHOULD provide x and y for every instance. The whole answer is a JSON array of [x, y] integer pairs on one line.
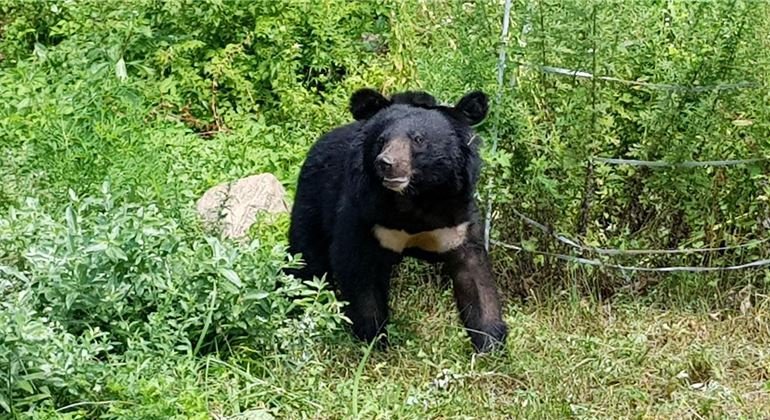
[[398, 181]]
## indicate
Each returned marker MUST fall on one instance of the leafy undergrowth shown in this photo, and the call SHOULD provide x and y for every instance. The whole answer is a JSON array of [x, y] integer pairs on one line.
[[114, 310], [577, 359], [566, 358]]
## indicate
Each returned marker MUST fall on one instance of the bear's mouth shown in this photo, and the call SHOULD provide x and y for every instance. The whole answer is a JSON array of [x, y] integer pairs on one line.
[[396, 184]]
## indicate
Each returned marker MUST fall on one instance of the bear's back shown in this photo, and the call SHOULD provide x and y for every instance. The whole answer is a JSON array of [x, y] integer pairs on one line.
[[321, 178]]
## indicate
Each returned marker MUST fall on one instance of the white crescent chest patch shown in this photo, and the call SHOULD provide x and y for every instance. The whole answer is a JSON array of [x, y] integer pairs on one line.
[[437, 240]]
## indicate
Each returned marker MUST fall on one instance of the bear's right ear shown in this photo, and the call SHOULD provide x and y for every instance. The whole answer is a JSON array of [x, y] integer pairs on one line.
[[364, 103]]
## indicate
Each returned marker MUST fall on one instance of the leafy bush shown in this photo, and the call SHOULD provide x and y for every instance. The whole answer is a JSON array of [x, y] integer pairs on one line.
[[38, 357], [116, 277]]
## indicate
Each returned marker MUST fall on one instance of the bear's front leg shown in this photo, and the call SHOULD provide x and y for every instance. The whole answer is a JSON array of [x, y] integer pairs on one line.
[[362, 270], [476, 294]]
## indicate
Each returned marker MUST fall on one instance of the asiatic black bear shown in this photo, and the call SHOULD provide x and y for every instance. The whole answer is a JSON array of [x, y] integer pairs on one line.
[[399, 181]]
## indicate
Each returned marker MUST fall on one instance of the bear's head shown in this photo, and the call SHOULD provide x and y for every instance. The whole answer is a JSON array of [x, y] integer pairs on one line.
[[413, 146]]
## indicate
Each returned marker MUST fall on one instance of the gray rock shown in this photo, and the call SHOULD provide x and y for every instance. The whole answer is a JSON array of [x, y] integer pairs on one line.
[[232, 207]]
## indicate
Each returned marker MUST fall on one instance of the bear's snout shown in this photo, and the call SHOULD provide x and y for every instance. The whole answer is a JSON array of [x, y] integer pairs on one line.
[[394, 164], [384, 163]]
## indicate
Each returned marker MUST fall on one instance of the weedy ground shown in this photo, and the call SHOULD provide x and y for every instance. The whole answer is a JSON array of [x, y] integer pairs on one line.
[[567, 357]]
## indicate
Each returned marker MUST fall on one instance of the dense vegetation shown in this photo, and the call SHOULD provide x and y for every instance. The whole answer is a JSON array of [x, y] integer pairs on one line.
[[116, 116]]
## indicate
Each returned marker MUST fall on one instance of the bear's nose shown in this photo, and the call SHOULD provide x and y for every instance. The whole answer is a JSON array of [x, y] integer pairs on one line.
[[384, 163]]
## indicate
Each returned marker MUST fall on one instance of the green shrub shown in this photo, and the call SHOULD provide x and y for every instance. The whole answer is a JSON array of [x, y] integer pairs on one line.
[[39, 358], [115, 277]]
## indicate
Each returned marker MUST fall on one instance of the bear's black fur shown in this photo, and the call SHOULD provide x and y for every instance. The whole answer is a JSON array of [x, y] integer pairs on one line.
[[399, 181]]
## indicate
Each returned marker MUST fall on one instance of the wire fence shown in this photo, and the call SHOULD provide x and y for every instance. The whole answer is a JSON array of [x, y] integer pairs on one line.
[[500, 80], [576, 245], [685, 164], [660, 86], [594, 262]]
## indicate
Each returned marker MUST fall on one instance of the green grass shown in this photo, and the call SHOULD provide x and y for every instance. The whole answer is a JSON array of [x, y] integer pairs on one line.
[[567, 357]]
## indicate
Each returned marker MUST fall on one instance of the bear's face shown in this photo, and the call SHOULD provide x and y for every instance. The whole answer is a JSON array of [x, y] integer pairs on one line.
[[412, 150], [413, 146]]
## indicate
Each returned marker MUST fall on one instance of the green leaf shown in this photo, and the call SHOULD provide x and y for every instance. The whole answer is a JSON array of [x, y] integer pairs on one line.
[[116, 253], [98, 247], [232, 276], [24, 103], [4, 402], [256, 296], [10, 271], [72, 223], [25, 386], [120, 70], [742, 123]]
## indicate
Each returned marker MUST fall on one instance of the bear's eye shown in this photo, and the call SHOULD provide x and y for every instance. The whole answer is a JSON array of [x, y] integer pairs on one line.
[[418, 139]]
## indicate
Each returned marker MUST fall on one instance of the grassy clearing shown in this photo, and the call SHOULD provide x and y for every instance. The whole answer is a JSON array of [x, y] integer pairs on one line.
[[568, 357]]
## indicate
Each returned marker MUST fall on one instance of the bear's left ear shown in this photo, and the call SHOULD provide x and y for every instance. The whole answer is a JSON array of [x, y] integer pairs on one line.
[[474, 106], [364, 103]]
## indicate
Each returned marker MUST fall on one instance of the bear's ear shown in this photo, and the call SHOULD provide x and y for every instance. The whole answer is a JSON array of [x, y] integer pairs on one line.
[[364, 103], [473, 107]]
